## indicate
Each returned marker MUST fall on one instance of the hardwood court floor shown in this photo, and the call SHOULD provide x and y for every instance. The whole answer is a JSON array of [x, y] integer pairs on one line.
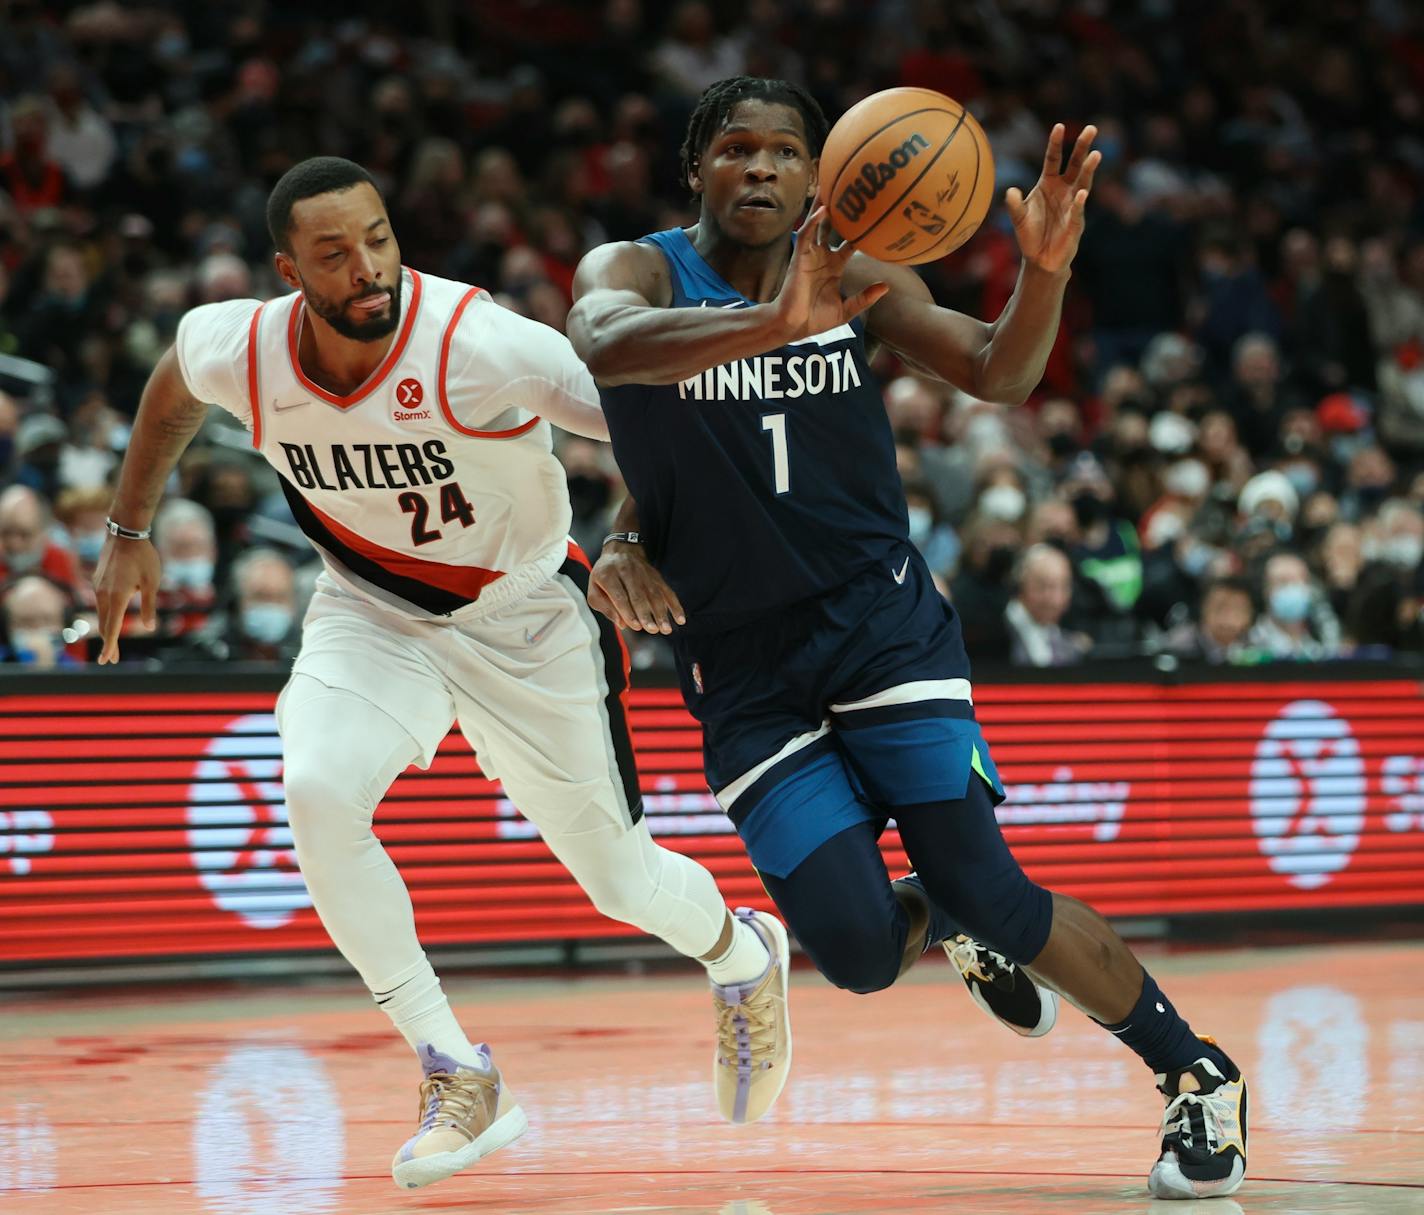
[[286, 1099]]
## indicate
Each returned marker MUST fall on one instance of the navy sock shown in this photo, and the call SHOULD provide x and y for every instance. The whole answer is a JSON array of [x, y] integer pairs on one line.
[[1157, 1032]]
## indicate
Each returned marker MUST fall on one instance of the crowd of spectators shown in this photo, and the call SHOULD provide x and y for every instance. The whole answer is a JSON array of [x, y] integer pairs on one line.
[[1225, 460]]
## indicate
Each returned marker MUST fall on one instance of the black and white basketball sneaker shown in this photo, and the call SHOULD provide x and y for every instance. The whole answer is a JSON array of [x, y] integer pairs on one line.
[[1203, 1131], [995, 984]]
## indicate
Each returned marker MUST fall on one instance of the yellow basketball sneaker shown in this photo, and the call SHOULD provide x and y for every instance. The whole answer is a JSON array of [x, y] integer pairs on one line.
[[753, 1055], [465, 1114]]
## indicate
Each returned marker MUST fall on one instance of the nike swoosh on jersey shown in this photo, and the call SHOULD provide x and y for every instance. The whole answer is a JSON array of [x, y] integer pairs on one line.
[[282, 408], [904, 569]]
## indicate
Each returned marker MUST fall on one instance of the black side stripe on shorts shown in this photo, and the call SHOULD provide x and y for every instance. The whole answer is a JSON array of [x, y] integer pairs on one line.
[[617, 681]]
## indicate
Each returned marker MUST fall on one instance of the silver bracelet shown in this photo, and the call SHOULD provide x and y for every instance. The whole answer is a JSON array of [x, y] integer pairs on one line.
[[623, 538], [127, 533]]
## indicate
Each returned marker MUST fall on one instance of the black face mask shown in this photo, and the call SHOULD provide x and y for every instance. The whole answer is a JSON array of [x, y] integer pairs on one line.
[[1062, 444], [587, 495], [999, 562], [1088, 509]]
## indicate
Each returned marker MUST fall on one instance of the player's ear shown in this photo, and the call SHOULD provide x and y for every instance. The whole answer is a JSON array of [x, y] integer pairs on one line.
[[814, 183], [694, 178], [287, 270]]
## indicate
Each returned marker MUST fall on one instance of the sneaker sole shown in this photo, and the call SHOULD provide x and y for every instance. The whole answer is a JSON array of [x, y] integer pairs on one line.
[[423, 1170], [1047, 1006], [782, 944], [1168, 1181]]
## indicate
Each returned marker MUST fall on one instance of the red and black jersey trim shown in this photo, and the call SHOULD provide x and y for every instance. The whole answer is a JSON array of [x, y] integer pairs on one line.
[[615, 671], [422, 594]]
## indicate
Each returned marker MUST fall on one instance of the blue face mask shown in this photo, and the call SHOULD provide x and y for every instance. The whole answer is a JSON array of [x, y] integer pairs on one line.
[[193, 574], [1290, 603], [88, 547], [266, 622]]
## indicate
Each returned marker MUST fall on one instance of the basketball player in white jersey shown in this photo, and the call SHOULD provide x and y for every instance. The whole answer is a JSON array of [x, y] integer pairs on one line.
[[409, 420]]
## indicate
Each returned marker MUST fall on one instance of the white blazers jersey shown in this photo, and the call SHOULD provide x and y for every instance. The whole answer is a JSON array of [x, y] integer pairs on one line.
[[433, 486]]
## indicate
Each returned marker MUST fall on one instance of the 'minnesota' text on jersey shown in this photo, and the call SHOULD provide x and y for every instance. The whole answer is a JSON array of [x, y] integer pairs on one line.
[[763, 481]]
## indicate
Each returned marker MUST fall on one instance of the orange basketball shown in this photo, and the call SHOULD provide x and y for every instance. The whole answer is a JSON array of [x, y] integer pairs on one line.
[[908, 175]]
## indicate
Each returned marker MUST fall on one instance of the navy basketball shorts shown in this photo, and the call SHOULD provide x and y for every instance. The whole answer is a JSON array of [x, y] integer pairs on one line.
[[836, 710]]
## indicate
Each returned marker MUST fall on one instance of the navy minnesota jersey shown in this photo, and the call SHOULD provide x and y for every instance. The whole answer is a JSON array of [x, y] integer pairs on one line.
[[761, 482]]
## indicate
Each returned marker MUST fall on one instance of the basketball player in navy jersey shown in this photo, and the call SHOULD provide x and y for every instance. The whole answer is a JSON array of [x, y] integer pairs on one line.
[[766, 517]]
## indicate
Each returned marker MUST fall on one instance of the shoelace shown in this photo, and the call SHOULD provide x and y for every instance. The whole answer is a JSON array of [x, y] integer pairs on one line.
[[452, 1099], [968, 957], [758, 1023], [1210, 1110]]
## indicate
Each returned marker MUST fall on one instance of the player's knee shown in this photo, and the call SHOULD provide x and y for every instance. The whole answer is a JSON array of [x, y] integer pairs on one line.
[[320, 796], [856, 958], [1008, 911]]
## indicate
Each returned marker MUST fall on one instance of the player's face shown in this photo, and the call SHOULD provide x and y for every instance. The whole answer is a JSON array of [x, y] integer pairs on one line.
[[757, 174], [346, 261]]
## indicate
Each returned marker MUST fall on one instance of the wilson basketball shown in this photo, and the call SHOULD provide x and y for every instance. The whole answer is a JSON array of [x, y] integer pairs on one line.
[[908, 175]]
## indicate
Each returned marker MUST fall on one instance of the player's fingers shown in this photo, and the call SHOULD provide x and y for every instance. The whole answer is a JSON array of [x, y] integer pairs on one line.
[[1014, 201], [1053, 156], [817, 213], [641, 600], [674, 604], [1080, 201], [111, 617], [617, 593], [1081, 147], [862, 300], [1090, 168], [148, 603]]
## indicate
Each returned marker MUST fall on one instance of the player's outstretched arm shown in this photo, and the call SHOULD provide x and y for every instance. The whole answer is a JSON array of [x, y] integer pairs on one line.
[[1002, 361], [168, 418], [625, 332], [627, 588]]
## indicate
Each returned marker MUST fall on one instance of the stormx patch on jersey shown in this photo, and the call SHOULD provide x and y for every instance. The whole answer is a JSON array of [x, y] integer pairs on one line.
[[368, 465], [775, 377]]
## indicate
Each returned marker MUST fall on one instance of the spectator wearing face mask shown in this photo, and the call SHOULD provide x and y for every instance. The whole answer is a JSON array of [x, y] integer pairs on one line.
[[1225, 614], [39, 443], [1265, 515], [1342, 558], [26, 546], [184, 535], [981, 589], [1396, 536], [35, 611], [935, 539], [81, 512], [263, 623], [1298, 622], [1043, 579]]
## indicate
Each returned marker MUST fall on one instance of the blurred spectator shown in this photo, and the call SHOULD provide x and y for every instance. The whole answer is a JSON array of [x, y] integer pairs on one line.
[[81, 512], [263, 623], [39, 441], [80, 139], [1044, 587], [1298, 622], [1266, 511], [694, 55], [1258, 397], [35, 612], [980, 591], [935, 539], [1342, 558], [28, 173], [1225, 615], [184, 536], [26, 546]]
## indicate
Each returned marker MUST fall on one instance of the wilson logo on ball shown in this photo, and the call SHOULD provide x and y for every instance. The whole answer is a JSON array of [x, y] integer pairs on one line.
[[862, 190]]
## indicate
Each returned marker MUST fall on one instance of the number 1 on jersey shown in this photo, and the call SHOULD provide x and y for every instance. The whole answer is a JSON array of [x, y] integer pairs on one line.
[[780, 464]]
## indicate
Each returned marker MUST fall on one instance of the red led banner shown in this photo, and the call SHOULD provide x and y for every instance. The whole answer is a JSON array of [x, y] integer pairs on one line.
[[152, 823]]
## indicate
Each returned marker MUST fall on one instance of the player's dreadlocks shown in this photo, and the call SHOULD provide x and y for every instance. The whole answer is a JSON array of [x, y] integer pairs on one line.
[[719, 100]]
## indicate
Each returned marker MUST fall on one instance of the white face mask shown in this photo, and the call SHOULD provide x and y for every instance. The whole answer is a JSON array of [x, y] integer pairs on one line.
[[921, 523], [1403, 551], [1004, 502], [1188, 479]]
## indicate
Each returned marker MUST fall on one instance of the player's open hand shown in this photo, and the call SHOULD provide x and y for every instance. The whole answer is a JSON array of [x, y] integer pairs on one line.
[[125, 566], [1049, 222], [627, 588], [810, 299]]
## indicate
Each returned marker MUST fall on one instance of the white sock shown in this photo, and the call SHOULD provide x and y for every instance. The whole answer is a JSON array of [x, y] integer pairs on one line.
[[745, 961], [419, 1009]]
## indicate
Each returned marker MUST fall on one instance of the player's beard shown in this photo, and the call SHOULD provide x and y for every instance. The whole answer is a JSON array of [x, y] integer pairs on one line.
[[335, 314]]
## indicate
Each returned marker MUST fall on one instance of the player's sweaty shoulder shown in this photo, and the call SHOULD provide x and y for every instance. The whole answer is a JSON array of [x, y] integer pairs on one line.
[[625, 266]]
